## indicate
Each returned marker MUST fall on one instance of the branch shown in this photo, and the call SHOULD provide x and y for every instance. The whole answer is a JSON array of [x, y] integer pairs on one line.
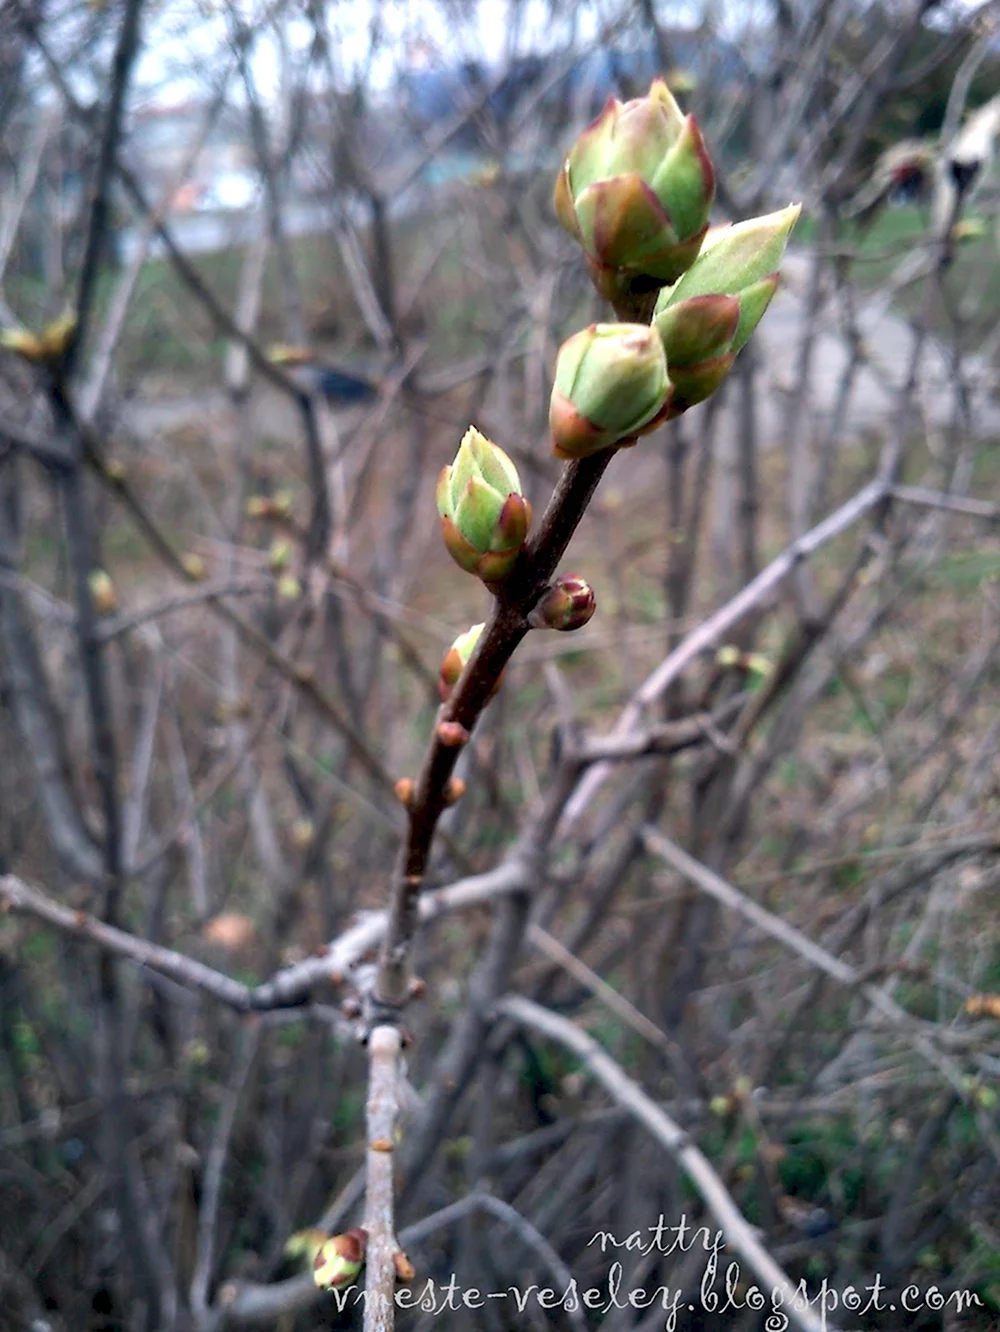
[[710, 632], [842, 972], [288, 988], [100, 210], [737, 1231], [534, 1241], [506, 628], [382, 1112]]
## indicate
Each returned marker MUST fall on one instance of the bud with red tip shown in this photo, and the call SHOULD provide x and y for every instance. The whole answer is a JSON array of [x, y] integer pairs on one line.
[[484, 516], [568, 604], [610, 383], [339, 1260], [636, 191], [709, 314]]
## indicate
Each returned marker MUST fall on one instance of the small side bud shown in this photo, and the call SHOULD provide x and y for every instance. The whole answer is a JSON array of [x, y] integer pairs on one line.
[[455, 660], [49, 346], [753, 663], [568, 604], [102, 590], [454, 791], [278, 555], [289, 588], [405, 1271], [193, 566], [24, 343], [405, 789], [258, 506], [303, 832], [452, 735], [339, 1260], [610, 385], [114, 470]]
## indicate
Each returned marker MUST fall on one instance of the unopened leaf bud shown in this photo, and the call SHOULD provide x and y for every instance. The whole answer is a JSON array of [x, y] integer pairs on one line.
[[339, 1260], [454, 791], [568, 604], [278, 555], [25, 343], [405, 1271], [484, 516], [193, 566], [731, 657], [405, 789], [102, 590], [610, 384], [452, 735], [636, 191], [455, 659], [706, 317], [303, 832], [289, 588]]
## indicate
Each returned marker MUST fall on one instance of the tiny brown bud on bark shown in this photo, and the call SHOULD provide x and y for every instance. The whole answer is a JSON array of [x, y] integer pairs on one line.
[[405, 1271], [454, 791], [405, 789], [452, 734]]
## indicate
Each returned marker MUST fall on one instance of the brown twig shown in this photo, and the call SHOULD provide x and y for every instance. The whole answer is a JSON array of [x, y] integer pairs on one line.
[[382, 1110]]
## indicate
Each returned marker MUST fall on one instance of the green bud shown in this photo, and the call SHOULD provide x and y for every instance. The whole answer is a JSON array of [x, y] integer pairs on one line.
[[484, 516], [102, 592], [279, 554], [568, 604], [610, 383], [708, 315], [636, 191], [455, 660], [339, 1260]]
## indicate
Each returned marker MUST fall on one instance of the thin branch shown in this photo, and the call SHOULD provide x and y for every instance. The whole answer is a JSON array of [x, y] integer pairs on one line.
[[710, 632], [736, 1230], [534, 1241], [612, 1000], [842, 972], [211, 1192], [288, 988], [382, 1113]]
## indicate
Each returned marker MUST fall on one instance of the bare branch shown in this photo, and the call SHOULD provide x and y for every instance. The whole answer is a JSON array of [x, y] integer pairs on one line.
[[736, 1230]]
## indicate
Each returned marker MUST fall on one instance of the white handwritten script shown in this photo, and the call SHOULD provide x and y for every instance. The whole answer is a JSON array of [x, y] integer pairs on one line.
[[722, 1289]]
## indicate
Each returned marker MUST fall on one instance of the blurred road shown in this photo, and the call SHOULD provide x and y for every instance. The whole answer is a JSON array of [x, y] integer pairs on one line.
[[874, 393]]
